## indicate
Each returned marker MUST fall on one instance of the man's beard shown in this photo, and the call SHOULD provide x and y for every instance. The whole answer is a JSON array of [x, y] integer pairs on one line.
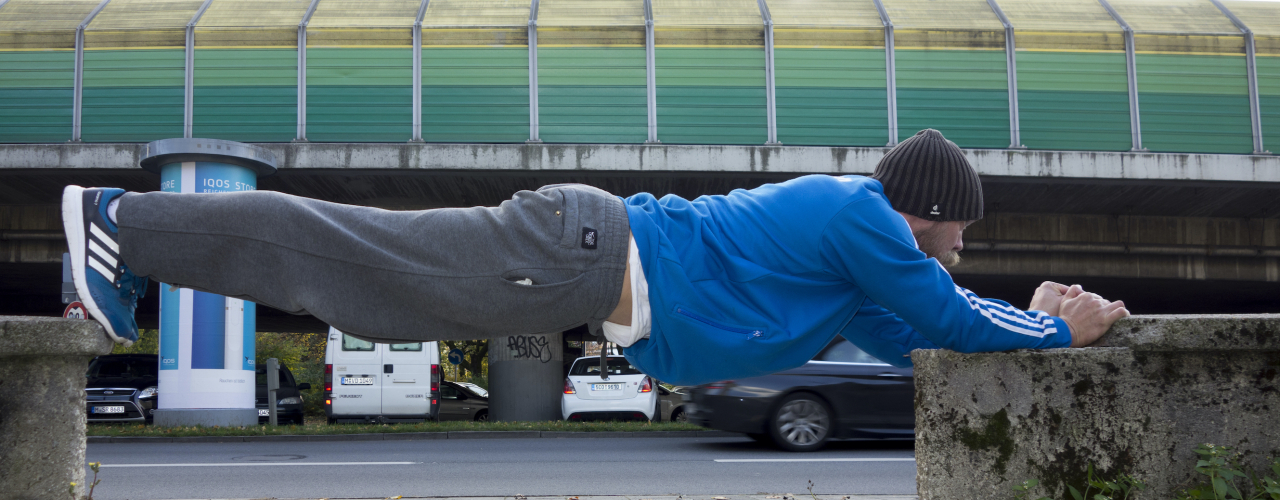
[[933, 245]]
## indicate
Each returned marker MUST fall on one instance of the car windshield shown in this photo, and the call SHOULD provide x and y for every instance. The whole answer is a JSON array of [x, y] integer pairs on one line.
[[842, 351], [122, 367], [479, 391], [591, 366]]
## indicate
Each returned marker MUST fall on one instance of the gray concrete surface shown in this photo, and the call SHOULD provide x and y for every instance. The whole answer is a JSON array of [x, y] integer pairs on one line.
[[638, 468], [42, 413], [662, 158], [1140, 404], [526, 376], [208, 417]]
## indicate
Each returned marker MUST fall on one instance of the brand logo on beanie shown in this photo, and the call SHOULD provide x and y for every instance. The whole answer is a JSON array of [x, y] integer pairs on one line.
[[935, 211]]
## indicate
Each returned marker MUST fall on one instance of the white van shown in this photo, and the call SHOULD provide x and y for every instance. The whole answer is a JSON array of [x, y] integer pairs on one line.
[[366, 381]]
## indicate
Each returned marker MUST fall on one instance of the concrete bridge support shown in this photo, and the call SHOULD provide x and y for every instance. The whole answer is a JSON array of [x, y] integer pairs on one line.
[[42, 416], [1139, 403]]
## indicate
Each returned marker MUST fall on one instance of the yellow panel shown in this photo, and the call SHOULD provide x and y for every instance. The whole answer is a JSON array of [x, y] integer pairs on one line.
[[141, 24], [476, 13], [37, 24], [945, 24], [1059, 15], [363, 23], [1263, 18], [828, 38], [707, 23], [824, 13], [1267, 45], [946, 15], [476, 23], [609, 23], [1174, 16], [251, 23], [1189, 44], [1070, 41]]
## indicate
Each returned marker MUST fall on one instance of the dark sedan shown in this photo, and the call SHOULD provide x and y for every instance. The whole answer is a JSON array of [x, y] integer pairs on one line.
[[842, 393], [463, 401], [121, 388], [288, 397]]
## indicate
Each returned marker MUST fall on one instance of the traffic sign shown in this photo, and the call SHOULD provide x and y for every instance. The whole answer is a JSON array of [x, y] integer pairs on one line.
[[455, 356], [75, 310]]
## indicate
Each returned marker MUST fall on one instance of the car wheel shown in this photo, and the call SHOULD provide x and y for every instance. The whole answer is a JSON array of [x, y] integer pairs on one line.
[[801, 423], [680, 416], [332, 421], [482, 416]]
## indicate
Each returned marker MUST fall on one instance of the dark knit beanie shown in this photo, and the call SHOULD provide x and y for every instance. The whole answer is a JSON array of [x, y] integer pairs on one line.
[[928, 176]]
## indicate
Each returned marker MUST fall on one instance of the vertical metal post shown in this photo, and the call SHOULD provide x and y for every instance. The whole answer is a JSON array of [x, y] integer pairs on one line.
[[77, 95], [651, 81], [890, 74], [302, 71], [417, 73], [771, 97], [273, 388], [1250, 52], [2, 2], [188, 93], [1131, 66], [1011, 69], [533, 74]]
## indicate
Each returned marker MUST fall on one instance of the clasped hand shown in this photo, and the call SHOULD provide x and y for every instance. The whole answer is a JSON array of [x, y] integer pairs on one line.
[[1088, 314]]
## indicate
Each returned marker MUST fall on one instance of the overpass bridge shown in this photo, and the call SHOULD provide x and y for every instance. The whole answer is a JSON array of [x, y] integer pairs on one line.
[[1122, 143]]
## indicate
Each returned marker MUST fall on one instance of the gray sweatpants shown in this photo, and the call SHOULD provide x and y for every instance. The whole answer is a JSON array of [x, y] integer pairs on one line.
[[442, 274]]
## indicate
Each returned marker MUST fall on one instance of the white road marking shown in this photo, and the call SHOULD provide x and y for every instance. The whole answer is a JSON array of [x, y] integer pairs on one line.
[[725, 460], [257, 464]]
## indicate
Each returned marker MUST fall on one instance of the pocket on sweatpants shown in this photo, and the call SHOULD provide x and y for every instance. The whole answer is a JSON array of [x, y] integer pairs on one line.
[[569, 219], [541, 278]]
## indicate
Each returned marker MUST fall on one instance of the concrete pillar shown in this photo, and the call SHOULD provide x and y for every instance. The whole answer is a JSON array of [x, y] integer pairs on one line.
[[526, 377], [206, 340], [42, 413], [1138, 403]]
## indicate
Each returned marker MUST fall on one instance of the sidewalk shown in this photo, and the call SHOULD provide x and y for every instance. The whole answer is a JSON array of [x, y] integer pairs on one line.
[[421, 436]]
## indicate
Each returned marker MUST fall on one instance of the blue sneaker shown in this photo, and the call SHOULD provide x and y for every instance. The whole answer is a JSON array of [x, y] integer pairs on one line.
[[108, 290]]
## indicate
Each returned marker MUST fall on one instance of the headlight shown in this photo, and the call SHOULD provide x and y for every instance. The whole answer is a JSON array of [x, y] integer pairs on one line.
[[290, 401], [149, 392]]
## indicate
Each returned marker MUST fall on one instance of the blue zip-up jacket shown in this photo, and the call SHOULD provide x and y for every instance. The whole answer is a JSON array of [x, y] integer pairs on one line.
[[759, 281]]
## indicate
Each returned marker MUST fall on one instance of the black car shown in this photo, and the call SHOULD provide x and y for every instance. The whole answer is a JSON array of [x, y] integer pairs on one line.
[[288, 397], [122, 388], [842, 393], [462, 401]]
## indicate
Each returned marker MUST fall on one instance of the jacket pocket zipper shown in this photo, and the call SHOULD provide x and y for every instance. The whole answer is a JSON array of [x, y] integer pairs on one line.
[[696, 317]]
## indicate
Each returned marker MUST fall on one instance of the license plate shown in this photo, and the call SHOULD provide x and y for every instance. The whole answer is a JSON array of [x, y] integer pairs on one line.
[[264, 412], [108, 409], [357, 380], [606, 387]]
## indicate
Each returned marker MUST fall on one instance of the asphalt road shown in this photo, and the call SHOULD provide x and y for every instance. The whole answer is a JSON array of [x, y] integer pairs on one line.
[[496, 467]]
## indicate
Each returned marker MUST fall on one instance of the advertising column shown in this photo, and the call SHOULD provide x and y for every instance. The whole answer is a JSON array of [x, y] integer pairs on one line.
[[206, 340]]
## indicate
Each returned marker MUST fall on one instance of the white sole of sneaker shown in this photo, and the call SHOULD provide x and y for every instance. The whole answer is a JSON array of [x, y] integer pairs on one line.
[[73, 225]]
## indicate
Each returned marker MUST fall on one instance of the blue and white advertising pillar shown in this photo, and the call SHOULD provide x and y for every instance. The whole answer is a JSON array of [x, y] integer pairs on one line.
[[206, 340]]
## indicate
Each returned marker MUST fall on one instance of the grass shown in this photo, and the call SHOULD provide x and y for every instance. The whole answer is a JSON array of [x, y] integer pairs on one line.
[[317, 426]]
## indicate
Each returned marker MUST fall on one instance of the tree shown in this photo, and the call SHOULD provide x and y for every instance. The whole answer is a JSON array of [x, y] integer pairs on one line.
[[475, 355]]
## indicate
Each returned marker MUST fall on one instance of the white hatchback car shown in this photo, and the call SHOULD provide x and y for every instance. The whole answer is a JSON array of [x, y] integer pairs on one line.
[[626, 395]]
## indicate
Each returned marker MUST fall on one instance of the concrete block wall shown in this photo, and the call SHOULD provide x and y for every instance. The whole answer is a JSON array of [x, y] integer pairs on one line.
[[1139, 403]]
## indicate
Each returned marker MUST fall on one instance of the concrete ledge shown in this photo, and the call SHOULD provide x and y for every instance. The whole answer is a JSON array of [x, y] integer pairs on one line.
[[1163, 385], [664, 158], [414, 436], [42, 413]]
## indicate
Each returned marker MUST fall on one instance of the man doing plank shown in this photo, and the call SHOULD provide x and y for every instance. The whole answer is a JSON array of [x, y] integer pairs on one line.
[[719, 287]]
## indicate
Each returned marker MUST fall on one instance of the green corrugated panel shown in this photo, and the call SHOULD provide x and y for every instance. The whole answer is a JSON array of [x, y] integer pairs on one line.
[[478, 94], [831, 97], [713, 95], [962, 93], [592, 95], [1194, 103], [359, 94], [36, 90], [1269, 100], [1073, 101], [246, 94], [132, 95]]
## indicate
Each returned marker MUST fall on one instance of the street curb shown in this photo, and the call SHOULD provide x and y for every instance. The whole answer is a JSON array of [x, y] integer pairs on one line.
[[413, 436]]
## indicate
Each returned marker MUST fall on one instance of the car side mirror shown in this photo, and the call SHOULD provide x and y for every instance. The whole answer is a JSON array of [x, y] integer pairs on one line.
[[304, 386]]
